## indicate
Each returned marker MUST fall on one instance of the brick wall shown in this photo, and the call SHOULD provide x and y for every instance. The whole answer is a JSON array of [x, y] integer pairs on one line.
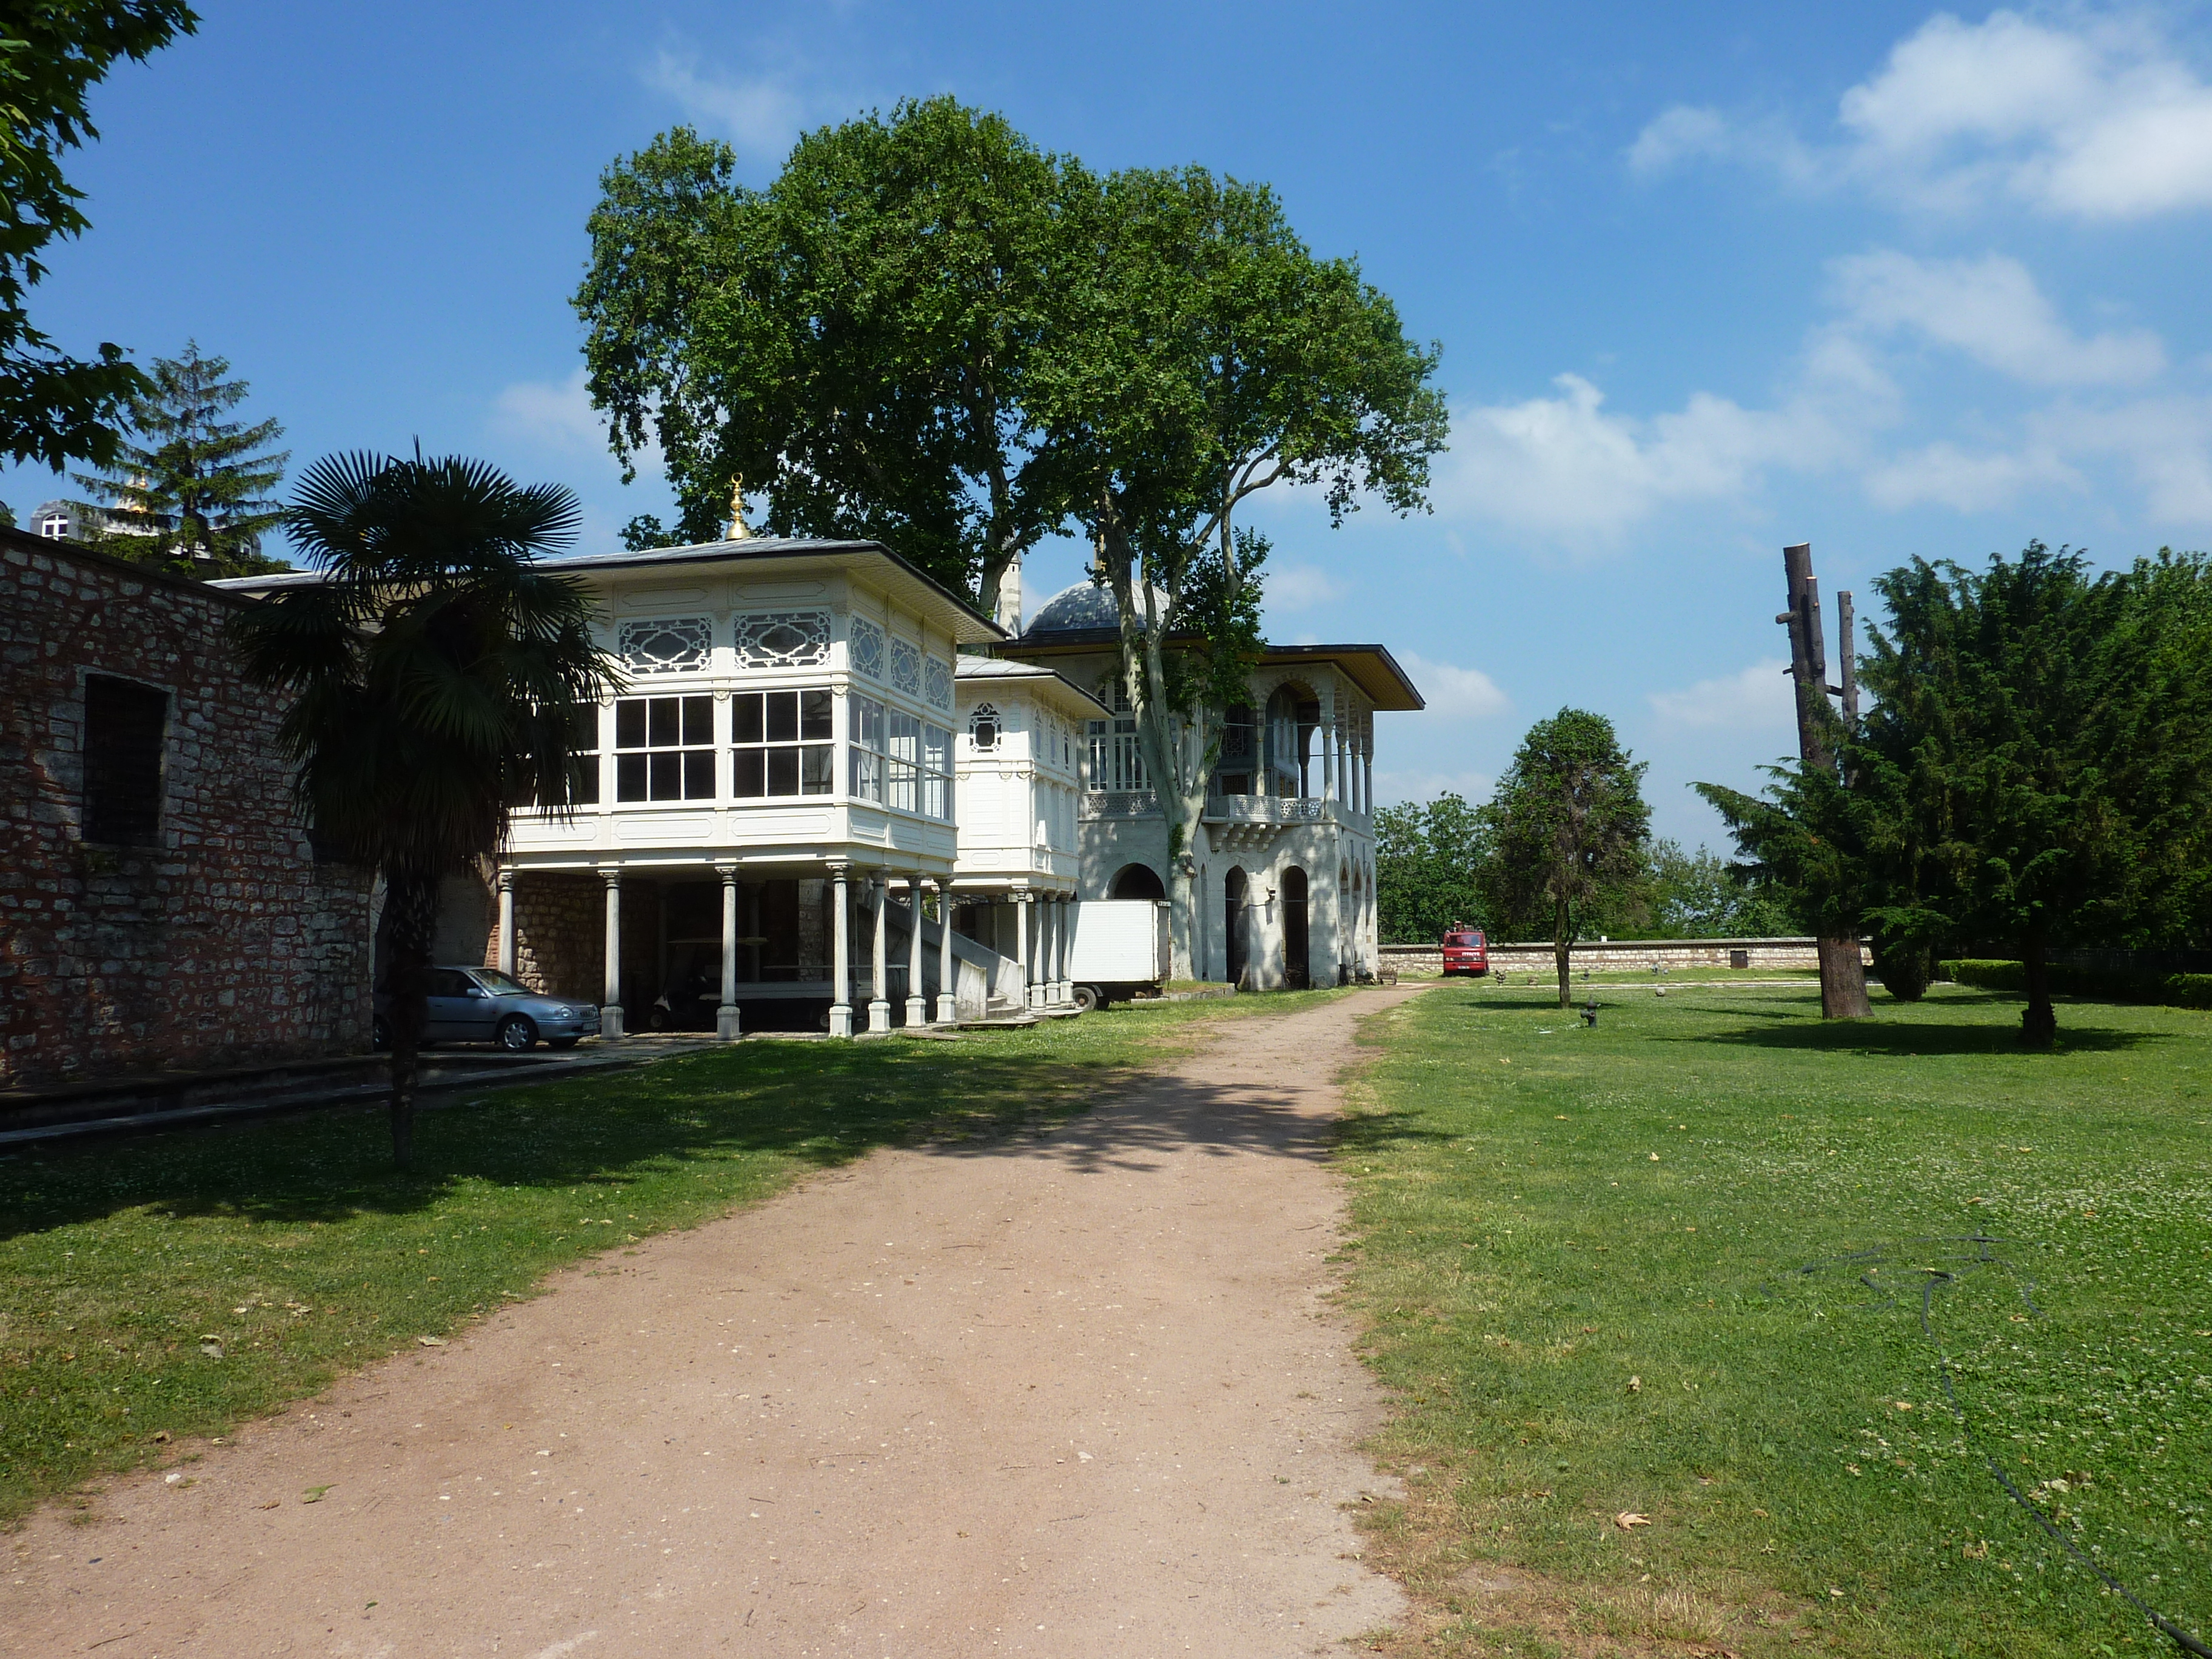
[[218, 940]]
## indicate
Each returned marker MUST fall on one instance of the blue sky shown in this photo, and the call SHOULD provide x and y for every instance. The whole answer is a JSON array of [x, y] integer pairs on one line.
[[1707, 280]]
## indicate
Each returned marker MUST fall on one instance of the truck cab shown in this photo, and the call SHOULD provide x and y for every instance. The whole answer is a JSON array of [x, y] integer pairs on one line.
[[1465, 950]]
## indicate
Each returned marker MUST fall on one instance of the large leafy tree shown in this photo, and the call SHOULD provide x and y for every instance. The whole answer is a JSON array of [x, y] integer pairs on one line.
[[1570, 826], [1215, 356], [55, 408], [189, 491], [435, 674], [1429, 858], [857, 342], [2035, 773]]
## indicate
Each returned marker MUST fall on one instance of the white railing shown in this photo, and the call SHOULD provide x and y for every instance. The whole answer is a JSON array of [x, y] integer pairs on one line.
[[1264, 808]]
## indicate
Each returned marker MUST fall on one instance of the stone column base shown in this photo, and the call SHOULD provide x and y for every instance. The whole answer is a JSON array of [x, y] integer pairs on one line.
[[841, 1020], [610, 1024], [727, 1025], [948, 1011], [917, 1011], [879, 1016]]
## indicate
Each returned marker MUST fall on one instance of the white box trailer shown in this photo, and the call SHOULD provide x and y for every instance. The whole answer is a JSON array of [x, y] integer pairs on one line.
[[1116, 948]]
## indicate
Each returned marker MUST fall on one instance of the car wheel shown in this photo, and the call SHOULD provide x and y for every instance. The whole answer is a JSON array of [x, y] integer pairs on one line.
[[380, 1033], [516, 1034], [1086, 999], [562, 1043]]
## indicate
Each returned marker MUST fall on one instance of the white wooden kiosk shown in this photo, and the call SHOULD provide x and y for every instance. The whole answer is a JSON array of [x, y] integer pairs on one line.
[[783, 751]]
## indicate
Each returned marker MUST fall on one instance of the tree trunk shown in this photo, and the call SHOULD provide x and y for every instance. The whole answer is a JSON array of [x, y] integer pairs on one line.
[[2038, 1021], [412, 900], [1562, 951], [1843, 973], [1842, 980]]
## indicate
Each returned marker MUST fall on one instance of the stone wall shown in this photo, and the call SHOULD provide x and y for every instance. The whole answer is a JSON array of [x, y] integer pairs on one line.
[[1620, 956], [559, 934], [212, 938]]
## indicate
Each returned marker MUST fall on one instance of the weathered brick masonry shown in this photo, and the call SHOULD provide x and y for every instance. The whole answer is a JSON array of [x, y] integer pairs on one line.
[[210, 936]]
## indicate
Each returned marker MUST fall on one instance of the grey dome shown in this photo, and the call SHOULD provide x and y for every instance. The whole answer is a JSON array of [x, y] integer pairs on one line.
[[1084, 606]]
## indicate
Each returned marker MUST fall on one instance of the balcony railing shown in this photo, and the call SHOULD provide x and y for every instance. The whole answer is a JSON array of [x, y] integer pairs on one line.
[[1119, 804], [1263, 808]]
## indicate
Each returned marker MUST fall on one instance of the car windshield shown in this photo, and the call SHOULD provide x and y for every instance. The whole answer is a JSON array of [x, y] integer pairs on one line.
[[500, 985], [1463, 939]]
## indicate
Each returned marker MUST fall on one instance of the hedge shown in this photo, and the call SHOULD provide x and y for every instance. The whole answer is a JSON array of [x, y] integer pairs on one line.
[[2097, 984]]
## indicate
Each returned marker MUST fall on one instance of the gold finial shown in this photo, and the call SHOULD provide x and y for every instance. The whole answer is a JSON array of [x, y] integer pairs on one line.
[[738, 530]]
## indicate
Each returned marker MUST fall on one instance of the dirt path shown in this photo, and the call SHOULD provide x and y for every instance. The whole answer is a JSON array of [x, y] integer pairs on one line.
[[1071, 1394]]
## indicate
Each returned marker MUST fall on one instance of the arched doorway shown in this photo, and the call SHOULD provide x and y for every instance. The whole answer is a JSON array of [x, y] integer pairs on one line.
[[1138, 881], [1295, 972], [1233, 925]]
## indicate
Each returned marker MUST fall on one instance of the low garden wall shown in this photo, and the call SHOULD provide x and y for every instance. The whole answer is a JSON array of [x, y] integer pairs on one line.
[[1620, 956]]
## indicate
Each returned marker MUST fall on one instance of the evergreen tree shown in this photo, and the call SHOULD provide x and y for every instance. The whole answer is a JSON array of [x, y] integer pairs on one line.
[[188, 490]]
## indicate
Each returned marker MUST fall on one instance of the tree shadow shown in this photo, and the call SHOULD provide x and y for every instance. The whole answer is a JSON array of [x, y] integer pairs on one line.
[[823, 1104], [1905, 1041]]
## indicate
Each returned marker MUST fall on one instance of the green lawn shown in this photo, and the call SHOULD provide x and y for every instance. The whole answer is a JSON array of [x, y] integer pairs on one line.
[[172, 1285], [1674, 1268]]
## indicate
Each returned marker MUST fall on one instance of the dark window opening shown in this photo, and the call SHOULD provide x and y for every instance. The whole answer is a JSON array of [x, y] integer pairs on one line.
[[124, 728]]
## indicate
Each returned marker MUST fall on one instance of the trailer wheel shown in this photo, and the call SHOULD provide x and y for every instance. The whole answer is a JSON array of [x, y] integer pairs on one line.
[[1087, 998]]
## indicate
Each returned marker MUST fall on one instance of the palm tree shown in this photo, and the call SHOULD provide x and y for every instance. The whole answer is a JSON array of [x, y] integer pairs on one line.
[[434, 672]]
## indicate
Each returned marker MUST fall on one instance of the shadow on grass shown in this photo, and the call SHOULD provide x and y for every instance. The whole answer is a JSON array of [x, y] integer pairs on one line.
[[821, 1104], [1908, 1040]]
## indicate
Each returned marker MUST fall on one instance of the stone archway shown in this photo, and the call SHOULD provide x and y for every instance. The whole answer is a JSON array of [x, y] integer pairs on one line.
[[1232, 924], [1297, 973], [1138, 881]]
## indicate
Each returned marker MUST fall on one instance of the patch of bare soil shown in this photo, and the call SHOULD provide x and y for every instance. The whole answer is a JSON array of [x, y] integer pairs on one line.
[[1080, 1392]]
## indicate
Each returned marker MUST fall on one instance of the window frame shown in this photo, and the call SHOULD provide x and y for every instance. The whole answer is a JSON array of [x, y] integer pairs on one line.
[[768, 747], [685, 752]]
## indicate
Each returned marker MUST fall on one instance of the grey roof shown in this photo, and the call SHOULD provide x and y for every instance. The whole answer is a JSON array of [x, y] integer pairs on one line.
[[1001, 668], [968, 625]]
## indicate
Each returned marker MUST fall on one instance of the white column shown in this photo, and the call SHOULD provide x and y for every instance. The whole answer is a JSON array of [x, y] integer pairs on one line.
[[841, 931], [948, 996], [1064, 963], [917, 1005], [1328, 749], [507, 921], [1022, 949], [880, 1008], [610, 1012], [1367, 778], [726, 1025]]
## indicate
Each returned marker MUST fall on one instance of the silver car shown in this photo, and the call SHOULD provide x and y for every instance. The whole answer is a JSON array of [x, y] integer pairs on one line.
[[483, 1005]]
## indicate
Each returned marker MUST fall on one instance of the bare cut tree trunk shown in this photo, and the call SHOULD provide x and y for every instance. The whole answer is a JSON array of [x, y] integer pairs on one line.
[[2038, 1021], [1562, 950], [412, 901], [1843, 972]]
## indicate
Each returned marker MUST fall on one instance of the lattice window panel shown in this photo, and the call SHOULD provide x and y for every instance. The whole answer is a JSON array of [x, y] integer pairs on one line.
[[678, 646], [784, 639]]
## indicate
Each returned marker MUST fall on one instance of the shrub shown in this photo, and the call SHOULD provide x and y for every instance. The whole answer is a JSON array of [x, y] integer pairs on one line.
[[2097, 984]]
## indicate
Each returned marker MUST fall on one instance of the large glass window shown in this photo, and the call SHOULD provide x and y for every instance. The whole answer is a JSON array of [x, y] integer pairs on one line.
[[665, 749], [1116, 761], [781, 744], [869, 759], [900, 760], [583, 756]]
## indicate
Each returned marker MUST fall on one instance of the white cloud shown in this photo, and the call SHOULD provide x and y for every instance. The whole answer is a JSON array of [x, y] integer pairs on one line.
[[1991, 309], [1756, 699], [1566, 469], [1947, 475], [761, 115], [1394, 788], [1455, 692], [2165, 442], [1300, 587], [557, 417], [2091, 118]]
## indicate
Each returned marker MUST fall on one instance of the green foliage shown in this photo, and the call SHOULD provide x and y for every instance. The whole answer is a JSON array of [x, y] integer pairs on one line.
[[55, 408], [2090, 984], [1570, 827], [1429, 862], [1521, 1255], [1701, 895], [2036, 769], [436, 678], [859, 341], [193, 495]]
